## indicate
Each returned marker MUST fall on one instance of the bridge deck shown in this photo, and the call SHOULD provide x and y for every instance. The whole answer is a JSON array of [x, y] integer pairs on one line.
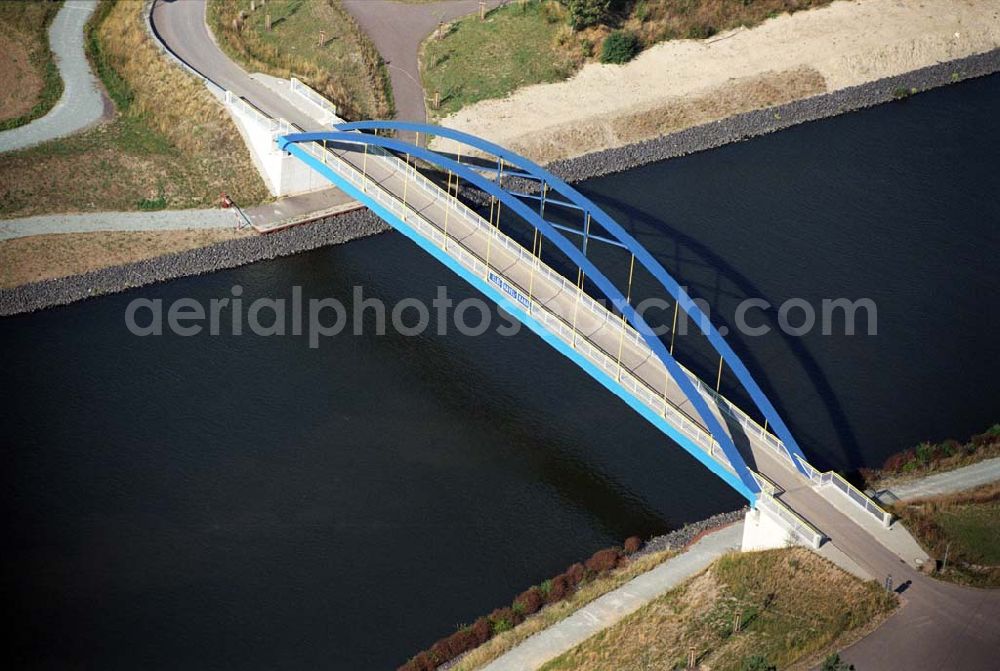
[[568, 313]]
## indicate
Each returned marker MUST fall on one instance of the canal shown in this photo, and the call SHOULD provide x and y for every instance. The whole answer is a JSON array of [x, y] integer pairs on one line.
[[251, 501]]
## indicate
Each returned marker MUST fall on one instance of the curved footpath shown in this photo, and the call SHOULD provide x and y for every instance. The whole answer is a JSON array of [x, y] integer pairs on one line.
[[81, 104]]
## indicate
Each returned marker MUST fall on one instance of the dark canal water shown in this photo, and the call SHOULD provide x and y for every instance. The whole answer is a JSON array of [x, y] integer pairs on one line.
[[211, 502]]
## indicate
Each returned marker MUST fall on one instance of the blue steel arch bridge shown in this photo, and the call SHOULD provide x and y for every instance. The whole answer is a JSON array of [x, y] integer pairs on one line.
[[608, 338]]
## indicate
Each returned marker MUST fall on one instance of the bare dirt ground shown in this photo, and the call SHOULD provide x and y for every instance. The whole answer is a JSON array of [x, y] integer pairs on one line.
[[41, 257], [20, 80], [683, 83]]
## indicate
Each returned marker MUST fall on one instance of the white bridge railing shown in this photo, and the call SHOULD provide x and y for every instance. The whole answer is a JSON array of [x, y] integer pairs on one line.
[[566, 332], [327, 110]]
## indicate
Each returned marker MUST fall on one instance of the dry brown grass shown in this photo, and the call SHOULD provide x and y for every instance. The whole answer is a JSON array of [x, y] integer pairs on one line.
[[171, 101], [794, 605], [20, 81], [553, 613], [573, 139], [42, 257], [29, 81], [656, 20], [345, 67], [171, 138]]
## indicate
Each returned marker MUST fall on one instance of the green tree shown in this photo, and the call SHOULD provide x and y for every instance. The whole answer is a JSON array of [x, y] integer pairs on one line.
[[619, 47], [584, 13]]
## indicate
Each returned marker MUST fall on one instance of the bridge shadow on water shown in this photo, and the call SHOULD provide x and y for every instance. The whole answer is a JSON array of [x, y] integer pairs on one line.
[[680, 252]]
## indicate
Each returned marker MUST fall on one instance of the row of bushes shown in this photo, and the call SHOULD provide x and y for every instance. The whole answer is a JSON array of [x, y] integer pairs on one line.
[[525, 604], [929, 456]]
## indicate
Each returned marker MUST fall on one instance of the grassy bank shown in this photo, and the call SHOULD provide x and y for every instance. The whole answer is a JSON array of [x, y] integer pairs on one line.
[[29, 80], [170, 145], [962, 527], [534, 42], [42, 257], [793, 604], [928, 458], [317, 41]]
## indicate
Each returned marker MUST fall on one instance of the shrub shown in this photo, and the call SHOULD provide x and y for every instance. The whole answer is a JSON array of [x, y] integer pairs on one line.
[[898, 460], [585, 13], [421, 662], [700, 31], [482, 630], [558, 589], [619, 47], [632, 545], [603, 560], [441, 651], [530, 601], [502, 619], [926, 452], [574, 574], [461, 641]]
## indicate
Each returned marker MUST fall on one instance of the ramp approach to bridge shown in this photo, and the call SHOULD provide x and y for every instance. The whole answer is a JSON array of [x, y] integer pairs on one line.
[[791, 500]]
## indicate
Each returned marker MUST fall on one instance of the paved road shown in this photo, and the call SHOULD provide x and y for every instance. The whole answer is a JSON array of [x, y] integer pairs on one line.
[[82, 103], [181, 26], [957, 480], [397, 29]]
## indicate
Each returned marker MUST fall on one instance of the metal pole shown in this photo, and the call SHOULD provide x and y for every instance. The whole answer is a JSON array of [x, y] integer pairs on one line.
[[364, 171], [718, 378], [531, 277], [406, 184], [628, 297], [673, 329]]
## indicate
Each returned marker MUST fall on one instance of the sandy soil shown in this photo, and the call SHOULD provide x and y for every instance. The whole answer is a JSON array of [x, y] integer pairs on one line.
[[20, 81], [683, 83], [41, 257]]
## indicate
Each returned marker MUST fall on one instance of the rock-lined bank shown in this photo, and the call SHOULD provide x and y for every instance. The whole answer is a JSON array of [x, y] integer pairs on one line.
[[360, 223], [687, 534], [228, 254]]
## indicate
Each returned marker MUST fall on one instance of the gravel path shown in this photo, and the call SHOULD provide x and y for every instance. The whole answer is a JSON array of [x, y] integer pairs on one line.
[[82, 103], [115, 221], [958, 480], [228, 254]]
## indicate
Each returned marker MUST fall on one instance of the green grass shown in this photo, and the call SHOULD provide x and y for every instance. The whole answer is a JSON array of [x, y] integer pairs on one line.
[[965, 527], [344, 65], [976, 530], [479, 60], [532, 43], [32, 21]]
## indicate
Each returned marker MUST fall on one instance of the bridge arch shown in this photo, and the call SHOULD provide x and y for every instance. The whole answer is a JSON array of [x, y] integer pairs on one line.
[[655, 268], [746, 483]]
